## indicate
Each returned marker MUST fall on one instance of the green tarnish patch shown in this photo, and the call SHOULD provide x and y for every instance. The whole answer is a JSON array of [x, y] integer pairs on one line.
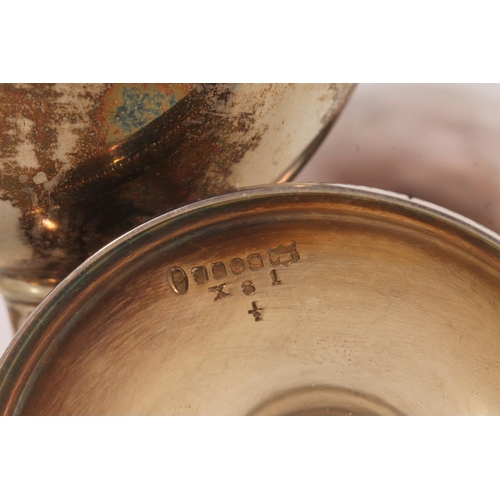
[[129, 107], [139, 107]]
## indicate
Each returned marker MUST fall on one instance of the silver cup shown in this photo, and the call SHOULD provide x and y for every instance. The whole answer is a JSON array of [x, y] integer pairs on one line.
[[81, 164]]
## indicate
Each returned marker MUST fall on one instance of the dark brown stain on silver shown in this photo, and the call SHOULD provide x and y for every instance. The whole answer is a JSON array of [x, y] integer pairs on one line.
[[144, 149], [113, 189]]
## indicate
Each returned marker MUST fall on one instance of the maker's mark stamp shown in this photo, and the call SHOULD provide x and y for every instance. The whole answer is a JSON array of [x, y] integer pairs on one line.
[[178, 280]]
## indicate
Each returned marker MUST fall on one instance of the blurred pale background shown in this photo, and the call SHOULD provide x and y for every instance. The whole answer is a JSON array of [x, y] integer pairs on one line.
[[437, 142]]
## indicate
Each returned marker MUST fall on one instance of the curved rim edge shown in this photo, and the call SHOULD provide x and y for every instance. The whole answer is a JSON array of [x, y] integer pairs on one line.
[[15, 348]]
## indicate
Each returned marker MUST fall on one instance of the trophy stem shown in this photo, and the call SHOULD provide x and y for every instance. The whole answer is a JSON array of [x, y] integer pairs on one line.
[[22, 298], [18, 312]]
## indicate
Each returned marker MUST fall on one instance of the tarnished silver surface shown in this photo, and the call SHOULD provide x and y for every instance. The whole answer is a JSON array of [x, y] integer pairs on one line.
[[80, 164], [292, 299]]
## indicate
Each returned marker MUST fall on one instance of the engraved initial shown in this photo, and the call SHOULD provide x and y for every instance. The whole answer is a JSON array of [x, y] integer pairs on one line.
[[218, 289], [274, 277]]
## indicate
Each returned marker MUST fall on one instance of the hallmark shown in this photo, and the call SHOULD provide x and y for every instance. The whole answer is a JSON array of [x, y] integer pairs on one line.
[[282, 255]]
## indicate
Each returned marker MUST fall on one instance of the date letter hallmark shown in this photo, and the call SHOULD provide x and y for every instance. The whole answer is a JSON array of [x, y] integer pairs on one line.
[[256, 311], [284, 255], [218, 289]]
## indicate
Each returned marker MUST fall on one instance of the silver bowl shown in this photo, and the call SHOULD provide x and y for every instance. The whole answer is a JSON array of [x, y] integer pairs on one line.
[[285, 300]]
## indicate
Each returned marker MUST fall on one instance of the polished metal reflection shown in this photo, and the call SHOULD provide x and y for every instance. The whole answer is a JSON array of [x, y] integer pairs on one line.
[[292, 299], [80, 164]]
